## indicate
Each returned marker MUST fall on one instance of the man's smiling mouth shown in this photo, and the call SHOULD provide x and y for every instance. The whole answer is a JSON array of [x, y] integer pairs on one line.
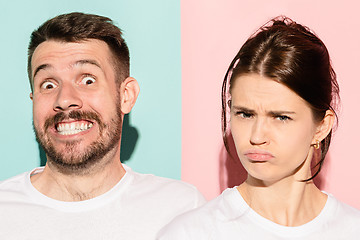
[[70, 128]]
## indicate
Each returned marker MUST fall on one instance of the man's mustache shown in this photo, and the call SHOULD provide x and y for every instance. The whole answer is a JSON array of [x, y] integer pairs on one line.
[[75, 115]]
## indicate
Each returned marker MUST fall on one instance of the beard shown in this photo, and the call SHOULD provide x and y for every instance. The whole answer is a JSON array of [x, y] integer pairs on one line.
[[70, 159]]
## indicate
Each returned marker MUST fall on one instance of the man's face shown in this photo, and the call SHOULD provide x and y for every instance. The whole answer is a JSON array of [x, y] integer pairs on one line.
[[76, 102]]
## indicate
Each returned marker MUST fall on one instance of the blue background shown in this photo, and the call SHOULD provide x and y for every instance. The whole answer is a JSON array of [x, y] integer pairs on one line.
[[152, 32]]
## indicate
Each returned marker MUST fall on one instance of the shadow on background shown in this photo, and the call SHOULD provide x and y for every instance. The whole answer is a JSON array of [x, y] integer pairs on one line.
[[232, 173], [42, 156], [129, 138]]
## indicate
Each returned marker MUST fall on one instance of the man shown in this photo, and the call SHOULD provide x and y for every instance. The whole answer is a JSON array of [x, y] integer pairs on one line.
[[78, 67]]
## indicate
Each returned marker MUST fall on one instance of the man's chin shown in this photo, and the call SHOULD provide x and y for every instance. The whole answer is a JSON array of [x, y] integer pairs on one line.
[[70, 158], [67, 159], [70, 164], [79, 160]]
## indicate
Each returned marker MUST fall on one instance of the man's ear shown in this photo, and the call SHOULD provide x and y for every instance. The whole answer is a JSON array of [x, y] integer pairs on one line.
[[31, 96], [129, 90], [324, 127]]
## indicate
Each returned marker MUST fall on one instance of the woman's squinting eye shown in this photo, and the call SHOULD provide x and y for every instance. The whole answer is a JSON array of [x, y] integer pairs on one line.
[[48, 85], [283, 118], [87, 80], [244, 114]]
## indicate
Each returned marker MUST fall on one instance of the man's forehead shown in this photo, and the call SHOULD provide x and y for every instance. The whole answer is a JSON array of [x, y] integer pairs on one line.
[[69, 54], [77, 63], [57, 49]]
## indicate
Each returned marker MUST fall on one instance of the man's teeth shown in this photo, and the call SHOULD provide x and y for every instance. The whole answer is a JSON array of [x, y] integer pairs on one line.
[[72, 128]]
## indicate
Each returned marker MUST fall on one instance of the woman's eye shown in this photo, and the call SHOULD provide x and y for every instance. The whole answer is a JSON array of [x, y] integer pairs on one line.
[[283, 118], [87, 80], [244, 114], [48, 85]]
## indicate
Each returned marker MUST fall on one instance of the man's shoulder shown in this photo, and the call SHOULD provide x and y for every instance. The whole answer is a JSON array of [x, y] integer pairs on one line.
[[152, 182], [13, 182], [157, 181], [149, 187], [14, 189]]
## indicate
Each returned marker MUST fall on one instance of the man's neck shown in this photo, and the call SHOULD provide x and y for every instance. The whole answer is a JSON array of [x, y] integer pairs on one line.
[[70, 188]]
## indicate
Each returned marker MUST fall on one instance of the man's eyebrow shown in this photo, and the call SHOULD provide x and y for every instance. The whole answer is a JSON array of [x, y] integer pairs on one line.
[[87, 61], [80, 62], [41, 67]]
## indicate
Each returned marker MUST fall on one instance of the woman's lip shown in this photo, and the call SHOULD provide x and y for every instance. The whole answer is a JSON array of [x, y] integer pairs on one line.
[[257, 155]]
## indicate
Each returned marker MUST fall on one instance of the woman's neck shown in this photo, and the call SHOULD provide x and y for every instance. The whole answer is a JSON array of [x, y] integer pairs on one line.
[[287, 202]]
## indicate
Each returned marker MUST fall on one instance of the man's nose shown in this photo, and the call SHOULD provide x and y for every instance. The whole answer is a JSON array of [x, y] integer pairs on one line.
[[67, 99]]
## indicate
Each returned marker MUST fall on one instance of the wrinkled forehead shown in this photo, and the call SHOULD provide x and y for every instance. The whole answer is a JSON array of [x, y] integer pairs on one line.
[[52, 49], [255, 89], [56, 54]]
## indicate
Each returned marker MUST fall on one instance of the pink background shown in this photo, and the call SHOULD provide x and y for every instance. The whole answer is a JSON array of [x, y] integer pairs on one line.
[[212, 33]]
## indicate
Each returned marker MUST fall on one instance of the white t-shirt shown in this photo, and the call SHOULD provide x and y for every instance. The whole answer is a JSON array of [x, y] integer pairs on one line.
[[136, 208], [229, 217]]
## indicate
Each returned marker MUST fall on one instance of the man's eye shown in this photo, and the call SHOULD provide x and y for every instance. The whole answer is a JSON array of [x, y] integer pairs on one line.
[[87, 80], [48, 85]]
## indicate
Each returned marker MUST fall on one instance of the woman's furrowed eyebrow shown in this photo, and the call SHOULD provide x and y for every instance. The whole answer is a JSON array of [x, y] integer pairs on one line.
[[242, 109], [272, 113], [281, 112]]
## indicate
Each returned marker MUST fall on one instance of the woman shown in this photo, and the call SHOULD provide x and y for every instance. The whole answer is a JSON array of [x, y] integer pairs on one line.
[[279, 93]]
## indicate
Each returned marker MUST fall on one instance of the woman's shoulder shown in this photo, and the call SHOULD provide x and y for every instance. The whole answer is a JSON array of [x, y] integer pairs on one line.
[[197, 223], [218, 208], [228, 205], [342, 217], [343, 210]]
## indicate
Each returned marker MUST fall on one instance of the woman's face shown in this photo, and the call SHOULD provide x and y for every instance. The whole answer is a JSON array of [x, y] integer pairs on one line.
[[273, 129]]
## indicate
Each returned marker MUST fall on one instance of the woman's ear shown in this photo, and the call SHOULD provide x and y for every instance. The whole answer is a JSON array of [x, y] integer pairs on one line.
[[129, 90], [324, 127]]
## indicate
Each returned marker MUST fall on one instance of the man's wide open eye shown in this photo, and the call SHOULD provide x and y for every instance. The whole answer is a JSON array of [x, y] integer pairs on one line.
[[48, 85], [88, 79]]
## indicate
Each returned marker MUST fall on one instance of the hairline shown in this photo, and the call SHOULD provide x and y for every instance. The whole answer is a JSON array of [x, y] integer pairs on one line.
[[235, 78], [113, 59]]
